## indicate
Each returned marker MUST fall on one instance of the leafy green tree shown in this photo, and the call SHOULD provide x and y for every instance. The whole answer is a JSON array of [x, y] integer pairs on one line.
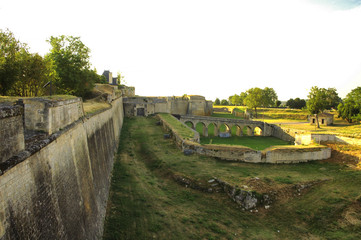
[[224, 102], [332, 98], [35, 71], [242, 97], [317, 101], [296, 103], [254, 99], [235, 100], [269, 97], [10, 48], [71, 61], [350, 109], [217, 102]]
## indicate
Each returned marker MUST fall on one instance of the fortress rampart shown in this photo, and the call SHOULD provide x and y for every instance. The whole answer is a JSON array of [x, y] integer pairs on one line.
[[187, 105], [58, 189]]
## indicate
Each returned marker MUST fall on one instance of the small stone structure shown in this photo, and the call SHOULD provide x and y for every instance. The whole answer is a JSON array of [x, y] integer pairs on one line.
[[11, 131], [188, 105], [50, 116], [323, 118]]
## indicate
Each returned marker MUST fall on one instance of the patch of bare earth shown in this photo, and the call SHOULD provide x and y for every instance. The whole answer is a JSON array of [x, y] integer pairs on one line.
[[345, 154]]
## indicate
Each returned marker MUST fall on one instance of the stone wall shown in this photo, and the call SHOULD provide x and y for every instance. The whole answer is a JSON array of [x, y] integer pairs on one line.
[[191, 105], [50, 115], [11, 131], [61, 191], [306, 139], [287, 154], [296, 155]]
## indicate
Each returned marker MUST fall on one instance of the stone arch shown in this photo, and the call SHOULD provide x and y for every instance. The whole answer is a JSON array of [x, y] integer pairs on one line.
[[224, 127], [247, 130], [189, 124], [236, 130], [258, 131], [212, 129], [201, 127]]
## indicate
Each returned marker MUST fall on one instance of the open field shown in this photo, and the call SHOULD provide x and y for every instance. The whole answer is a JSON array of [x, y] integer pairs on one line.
[[272, 113], [147, 203]]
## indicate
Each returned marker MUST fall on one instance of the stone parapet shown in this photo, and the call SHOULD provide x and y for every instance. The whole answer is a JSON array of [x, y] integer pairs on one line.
[[11, 131], [50, 116]]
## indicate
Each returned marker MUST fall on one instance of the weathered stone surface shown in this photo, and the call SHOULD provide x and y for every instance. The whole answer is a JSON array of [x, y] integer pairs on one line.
[[51, 116], [60, 190], [190, 105], [11, 131]]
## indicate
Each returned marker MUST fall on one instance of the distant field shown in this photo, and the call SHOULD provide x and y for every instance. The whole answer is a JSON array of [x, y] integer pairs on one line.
[[272, 113]]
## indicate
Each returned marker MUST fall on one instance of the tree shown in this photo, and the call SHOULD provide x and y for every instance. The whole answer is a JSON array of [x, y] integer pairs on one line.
[[255, 98], [317, 101], [332, 98], [296, 103], [10, 49], [235, 100], [35, 72], [350, 109], [269, 97], [224, 102], [242, 97], [120, 78], [217, 102], [71, 60]]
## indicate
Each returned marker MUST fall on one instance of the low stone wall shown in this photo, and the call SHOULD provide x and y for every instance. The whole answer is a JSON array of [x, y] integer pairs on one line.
[[296, 155], [61, 190], [11, 131], [245, 154], [50, 115], [306, 139]]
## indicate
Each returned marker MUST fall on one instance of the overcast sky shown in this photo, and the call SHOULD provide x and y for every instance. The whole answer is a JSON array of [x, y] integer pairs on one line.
[[214, 48]]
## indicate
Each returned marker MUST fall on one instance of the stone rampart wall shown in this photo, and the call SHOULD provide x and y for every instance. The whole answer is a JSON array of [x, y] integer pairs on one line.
[[11, 131], [173, 105], [245, 154], [61, 191]]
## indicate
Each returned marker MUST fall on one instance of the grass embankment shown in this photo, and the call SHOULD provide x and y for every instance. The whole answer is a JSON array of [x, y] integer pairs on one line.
[[91, 106], [146, 203], [13, 99], [178, 127]]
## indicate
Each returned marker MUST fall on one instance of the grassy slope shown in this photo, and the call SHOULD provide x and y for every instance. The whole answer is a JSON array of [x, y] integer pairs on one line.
[[145, 202]]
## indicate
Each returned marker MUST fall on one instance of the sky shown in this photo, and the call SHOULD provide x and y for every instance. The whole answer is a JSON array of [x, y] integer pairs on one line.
[[214, 48]]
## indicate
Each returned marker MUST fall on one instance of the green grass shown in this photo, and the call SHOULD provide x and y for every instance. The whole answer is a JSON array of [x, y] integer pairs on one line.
[[257, 143], [177, 126], [146, 203]]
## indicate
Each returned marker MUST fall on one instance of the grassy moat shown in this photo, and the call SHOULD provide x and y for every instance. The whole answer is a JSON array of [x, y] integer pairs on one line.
[[146, 202]]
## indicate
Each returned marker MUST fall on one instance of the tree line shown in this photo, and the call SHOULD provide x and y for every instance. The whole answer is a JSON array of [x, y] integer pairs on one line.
[[319, 100], [66, 66]]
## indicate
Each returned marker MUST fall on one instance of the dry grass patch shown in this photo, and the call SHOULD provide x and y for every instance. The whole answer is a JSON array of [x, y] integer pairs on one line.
[[91, 107]]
